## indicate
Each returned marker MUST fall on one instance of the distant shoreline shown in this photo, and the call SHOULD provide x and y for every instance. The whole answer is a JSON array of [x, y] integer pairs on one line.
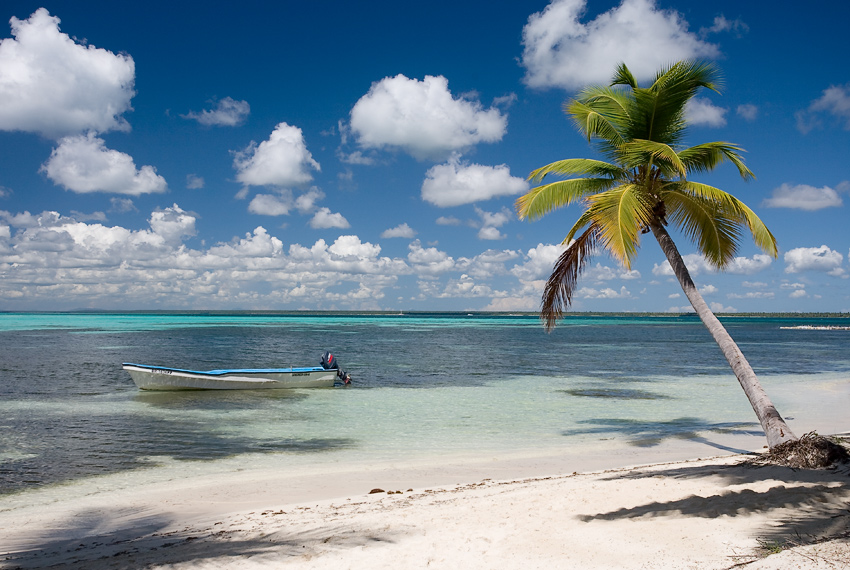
[[239, 312]]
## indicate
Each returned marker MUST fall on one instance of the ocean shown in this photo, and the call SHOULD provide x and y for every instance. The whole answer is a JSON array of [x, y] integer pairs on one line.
[[427, 387]]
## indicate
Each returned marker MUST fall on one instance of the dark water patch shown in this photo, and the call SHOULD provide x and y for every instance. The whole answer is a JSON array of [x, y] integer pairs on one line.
[[615, 393], [69, 446]]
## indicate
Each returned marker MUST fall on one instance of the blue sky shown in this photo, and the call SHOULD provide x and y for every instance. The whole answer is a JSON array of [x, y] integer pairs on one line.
[[324, 155]]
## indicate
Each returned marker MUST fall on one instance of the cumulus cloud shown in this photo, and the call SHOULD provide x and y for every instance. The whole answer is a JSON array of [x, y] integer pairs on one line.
[[51, 260], [748, 112], [562, 51], [448, 221], [491, 222], [701, 111], [282, 160], [803, 197], [752, 295], [422, 118], [606, 293], [270, 205], [697, 264], [52, 85], [306, 203], [324, 219], [834, 101], [400, 231], [456, 183], [428, 260], [539, 263], [227, 113], [820, 258], [83, 164], [601, 272]]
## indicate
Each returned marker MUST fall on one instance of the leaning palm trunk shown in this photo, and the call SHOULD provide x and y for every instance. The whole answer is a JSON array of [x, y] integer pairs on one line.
[[775, 428]]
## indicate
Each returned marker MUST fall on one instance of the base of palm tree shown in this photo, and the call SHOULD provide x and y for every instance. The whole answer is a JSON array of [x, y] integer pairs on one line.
[[811, 451]]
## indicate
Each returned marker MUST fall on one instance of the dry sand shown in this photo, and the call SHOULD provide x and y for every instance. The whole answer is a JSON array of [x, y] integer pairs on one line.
[[703, 514]]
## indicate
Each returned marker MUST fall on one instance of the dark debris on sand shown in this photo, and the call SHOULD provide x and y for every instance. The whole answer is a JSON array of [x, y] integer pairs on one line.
[[811, 451]]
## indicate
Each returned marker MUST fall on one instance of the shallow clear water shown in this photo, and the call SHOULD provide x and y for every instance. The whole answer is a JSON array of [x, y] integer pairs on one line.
[[425, 386]]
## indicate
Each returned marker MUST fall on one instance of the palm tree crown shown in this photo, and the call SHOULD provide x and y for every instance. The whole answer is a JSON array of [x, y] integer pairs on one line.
[[644, 180]]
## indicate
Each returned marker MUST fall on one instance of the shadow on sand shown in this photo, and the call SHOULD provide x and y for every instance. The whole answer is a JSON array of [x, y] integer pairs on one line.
[[815, 503]]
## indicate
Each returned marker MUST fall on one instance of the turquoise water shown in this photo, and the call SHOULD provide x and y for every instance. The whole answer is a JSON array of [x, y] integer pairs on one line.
[[425, 386]]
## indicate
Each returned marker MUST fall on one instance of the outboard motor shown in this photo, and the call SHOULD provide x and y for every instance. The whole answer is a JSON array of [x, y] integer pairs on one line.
[[330, 363]]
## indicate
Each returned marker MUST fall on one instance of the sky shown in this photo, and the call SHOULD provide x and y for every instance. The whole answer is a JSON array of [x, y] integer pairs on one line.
[[367, 156]]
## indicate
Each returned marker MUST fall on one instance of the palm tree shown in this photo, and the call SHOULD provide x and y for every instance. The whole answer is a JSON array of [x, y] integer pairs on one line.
[[641, 187]]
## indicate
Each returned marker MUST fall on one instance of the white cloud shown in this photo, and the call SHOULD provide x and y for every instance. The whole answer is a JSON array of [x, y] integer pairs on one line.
[[606, 293], [51, 85], [306, 203], [194, 182], [540, 262], [122, 205], [752, 295], [490, 233], [172, 224], [723, 24], [798, 294], [701, 111], [491, 221], [324, 219], [813, 259], [83, 164], [228, 113], [422, 118], [835, 101], [282, 160], [270, 205], [747, 111], [697, 264], [708, 290], [400, 231], [561, 51], [456, 183], [601, 272], [749, 266], [448, 221], [428, 261], [754, 284], [803, 197]]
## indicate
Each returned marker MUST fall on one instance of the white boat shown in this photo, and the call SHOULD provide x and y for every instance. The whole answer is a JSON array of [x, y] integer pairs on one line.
[[164, 378]]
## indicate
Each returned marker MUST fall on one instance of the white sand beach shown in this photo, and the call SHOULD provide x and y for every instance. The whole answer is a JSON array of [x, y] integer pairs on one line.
[[709, 513]]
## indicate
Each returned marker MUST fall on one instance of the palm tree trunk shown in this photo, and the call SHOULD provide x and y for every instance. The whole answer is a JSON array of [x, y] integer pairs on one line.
[[775, 428]]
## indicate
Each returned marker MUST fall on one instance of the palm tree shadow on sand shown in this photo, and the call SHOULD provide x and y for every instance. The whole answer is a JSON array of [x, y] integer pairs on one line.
[[806, 506]]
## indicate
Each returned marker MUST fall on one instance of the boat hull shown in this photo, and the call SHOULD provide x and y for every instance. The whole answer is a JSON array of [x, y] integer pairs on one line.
[[162, 378]]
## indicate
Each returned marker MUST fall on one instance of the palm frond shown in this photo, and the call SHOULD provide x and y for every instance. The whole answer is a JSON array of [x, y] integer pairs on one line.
[[623, 76], [592, 123], [573, 166], [762, 236], [714, 228], [558, 292], [706, 157], [583, 220], [661, 107], [621, 213], [640, 151], [543, 199]]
